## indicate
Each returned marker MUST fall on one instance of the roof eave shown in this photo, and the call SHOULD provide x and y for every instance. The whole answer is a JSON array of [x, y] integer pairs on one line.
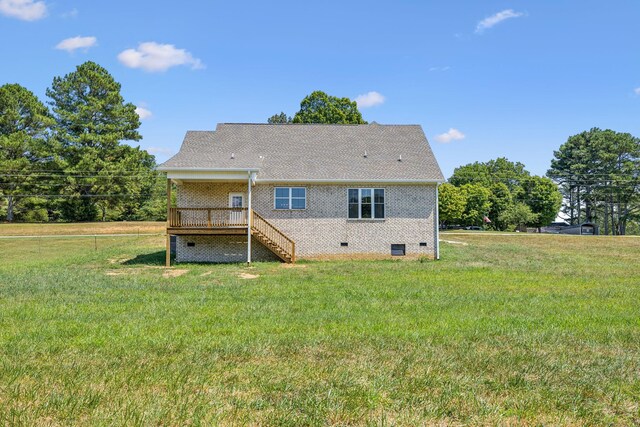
[[190, 169], [350, 181]]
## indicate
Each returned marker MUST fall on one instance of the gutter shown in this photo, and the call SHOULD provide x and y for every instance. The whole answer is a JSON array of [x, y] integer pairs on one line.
[[188, 169]]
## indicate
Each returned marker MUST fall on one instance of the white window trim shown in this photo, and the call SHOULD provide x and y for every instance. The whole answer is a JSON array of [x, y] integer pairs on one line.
[[232, 195], [373, 204], [290, 198]]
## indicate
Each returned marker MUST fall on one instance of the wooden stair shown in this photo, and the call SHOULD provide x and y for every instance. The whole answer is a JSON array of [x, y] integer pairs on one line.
[[275, 240]]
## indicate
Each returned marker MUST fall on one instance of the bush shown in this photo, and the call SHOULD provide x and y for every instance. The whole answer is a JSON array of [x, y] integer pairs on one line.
[[36, 215]]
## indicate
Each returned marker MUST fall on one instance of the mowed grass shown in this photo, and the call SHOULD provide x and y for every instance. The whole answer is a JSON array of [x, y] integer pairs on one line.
[[79, 228], [504, 330]]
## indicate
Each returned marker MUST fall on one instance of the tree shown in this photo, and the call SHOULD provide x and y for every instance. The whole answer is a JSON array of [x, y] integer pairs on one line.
[[500, 170], [92, 119], [451, 203], [501, 200], [478, 203], [155, 209], [542, 196], [25, 150], [318, 107], [281, 118], [599, 175], [518, 215]]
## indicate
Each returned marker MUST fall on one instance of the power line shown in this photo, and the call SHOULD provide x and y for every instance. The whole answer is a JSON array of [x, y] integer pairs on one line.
[[44, 196]]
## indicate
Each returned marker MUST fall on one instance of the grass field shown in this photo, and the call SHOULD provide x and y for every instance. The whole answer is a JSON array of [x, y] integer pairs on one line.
[[504, 330]]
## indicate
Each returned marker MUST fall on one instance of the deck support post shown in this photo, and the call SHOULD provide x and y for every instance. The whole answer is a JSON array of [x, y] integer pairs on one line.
[[437, 220], [249, 215], [168, 255]]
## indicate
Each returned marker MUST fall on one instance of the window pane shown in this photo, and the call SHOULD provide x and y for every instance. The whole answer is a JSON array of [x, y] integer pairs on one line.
[[282, 192], [365, 193], [297, 204], [298, 192], [366, 210], [353, 195], [353, 210], [379, 195], [236, 201], [282, 203], [379, 210]]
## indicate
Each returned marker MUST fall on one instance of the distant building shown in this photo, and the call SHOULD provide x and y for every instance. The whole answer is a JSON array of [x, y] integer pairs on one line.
[[584, 229]]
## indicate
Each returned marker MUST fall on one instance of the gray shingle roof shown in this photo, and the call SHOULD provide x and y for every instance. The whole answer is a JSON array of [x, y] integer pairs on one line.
[[312, 152]]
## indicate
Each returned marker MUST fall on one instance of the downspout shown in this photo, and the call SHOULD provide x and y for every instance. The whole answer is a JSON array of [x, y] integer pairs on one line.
[[249, 215], [437, 216]]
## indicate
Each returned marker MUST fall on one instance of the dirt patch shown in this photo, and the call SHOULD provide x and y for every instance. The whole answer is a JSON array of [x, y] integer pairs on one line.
[[206, 273], [132, 271], [293, 265], [478, 264], [174, 273], [119, 260], [454, 242], [116, 272], [248, 276]]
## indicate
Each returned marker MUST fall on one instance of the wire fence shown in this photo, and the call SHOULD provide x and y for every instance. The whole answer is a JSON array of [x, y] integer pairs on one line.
[[34, 248]]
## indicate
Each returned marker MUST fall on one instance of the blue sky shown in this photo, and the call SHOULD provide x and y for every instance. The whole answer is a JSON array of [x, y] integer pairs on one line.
[[484, 78]]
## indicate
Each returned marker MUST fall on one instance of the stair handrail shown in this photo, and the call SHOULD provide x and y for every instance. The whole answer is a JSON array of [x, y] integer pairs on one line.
[[289, 248]]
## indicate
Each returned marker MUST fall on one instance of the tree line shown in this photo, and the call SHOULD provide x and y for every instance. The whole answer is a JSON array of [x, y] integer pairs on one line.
[[73, 159], [598, 172], [70, 162], [594, 177], [499, 195]]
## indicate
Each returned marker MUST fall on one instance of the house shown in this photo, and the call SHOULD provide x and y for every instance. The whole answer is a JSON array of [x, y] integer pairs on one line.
[[267, 192], [584, 229]]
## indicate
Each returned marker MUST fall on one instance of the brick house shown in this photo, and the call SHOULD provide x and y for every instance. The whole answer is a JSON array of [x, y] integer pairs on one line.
[[267, 192]]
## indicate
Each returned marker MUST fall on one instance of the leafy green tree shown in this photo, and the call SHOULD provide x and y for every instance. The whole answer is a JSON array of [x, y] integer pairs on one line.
[[92, 121], [543, 198], [281, 118], [478, 203], [518, 215], [318, 107], [501, 200], [500, 170], [25, 150], [451, 203], [155, 209]]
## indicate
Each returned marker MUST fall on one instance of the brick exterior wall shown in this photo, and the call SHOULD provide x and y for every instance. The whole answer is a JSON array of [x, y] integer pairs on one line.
[[220, 249], [410, 219]]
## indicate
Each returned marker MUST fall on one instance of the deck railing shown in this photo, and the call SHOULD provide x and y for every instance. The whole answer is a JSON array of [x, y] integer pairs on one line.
[[274, 236], [207, 217]]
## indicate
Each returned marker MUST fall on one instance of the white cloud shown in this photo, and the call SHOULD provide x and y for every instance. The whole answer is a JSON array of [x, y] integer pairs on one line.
[[143, 113], [160, 150], [369, 99], [73, 43], [451, 135], [27, 10], [443, 69], [492, 20], [153, 57], [73, 13], [637, 91]]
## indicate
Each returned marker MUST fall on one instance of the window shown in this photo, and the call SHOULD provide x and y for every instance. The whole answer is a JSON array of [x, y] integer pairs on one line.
[[366, 203], [290, 198], [398, 250]]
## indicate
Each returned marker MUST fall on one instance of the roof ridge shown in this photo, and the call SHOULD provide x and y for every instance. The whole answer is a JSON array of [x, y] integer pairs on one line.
[[317, 124]]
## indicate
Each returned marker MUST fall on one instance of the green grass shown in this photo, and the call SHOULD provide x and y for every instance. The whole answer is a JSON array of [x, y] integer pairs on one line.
[[507, 329]]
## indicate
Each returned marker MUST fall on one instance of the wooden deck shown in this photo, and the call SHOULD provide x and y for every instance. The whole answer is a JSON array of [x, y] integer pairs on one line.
[[207, 221], [230, 221], [213, 231]]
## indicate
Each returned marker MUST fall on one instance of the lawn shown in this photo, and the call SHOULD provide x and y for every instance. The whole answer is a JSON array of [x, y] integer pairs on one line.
[[506, 329]]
